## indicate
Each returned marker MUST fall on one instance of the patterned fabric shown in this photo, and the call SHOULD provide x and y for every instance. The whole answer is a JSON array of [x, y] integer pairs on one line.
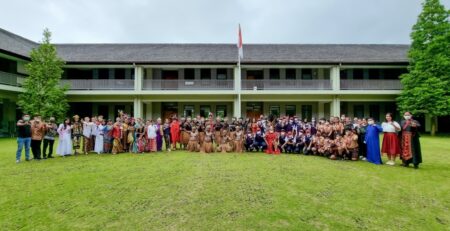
[[406, 145]]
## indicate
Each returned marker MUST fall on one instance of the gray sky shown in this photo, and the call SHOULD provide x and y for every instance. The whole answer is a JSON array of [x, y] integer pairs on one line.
[[213, 21]]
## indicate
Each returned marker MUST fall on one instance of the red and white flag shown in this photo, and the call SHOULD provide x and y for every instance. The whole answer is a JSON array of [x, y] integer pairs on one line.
[[239, 44]]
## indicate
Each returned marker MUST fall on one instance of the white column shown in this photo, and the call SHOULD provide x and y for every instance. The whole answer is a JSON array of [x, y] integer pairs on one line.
[[335, 78], [335, 106], [137, 106], [138, 76], [320, 110], [237, 80], [237, 106], [148, 110]]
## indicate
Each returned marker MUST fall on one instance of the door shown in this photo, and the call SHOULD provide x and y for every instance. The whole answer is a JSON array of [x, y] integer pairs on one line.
[[169, 81]]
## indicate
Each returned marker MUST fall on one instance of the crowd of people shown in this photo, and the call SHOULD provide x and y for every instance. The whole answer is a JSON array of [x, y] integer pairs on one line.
[[336, 138]]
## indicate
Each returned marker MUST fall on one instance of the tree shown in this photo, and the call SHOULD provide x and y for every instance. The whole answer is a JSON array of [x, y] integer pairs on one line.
[[426, 85], [43, 94]]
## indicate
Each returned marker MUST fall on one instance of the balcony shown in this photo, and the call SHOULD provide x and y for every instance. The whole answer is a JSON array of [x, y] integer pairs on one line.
[[371, 84], [11, 79], [317, 84], [165, 84], [98, 84]]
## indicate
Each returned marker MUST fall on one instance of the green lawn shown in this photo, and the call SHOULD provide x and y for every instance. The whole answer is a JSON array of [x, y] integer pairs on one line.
[[186, 191]]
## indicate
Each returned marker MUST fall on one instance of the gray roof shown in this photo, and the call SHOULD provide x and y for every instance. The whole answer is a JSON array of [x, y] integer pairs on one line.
[[215, 53]]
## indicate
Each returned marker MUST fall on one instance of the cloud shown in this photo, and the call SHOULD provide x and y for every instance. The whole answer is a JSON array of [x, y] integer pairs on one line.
[[213, 21]]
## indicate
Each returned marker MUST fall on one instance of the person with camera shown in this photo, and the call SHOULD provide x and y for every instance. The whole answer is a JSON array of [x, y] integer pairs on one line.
[[23, 137]]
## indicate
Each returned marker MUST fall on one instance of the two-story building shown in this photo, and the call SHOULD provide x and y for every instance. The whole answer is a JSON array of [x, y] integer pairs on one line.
[[157, 80]]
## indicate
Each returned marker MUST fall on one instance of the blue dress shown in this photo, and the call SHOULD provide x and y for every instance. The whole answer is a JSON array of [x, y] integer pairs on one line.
[[372, 140]]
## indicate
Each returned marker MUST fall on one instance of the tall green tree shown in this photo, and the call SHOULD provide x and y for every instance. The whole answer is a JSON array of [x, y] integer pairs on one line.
[[427, 83], [43, 93]]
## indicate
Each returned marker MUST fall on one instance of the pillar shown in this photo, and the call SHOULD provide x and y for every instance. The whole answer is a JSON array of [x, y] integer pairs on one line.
[[137, 108], [335, 106], [148, 110], [335, 78], [237, 106], [138, 76], [320, 110]]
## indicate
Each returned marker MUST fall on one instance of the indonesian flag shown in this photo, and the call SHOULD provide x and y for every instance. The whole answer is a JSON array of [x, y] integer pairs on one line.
[[239, 44]]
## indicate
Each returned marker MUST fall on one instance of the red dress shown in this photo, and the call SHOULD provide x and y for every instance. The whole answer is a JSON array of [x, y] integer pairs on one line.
[[175, 131], [271, 137]]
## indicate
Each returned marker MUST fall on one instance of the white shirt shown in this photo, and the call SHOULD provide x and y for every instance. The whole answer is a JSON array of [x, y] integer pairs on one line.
[[87, 129], [387, 127], [151, 131]]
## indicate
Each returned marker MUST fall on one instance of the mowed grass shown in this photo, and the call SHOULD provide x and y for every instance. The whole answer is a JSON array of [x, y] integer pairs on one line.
[[193, 191]]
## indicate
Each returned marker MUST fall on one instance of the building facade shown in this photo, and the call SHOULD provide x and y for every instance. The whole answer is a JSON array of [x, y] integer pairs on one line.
[[158, 80]]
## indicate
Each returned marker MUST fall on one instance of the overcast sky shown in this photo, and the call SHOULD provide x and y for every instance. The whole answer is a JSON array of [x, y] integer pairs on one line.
[[213, 21]]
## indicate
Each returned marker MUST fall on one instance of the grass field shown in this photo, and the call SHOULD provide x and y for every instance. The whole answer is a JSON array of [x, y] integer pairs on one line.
[[186, 191]]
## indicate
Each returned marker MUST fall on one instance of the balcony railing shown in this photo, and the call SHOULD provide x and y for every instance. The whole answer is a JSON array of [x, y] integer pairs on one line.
[[10, 79], [317, 84], [371, 84], [99, 84], [165, 84]]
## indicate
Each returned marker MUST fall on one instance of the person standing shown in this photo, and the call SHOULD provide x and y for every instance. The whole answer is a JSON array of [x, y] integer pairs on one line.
[[391, 144], [159, 135], [372, 141], [98, 146], [65, 139], [410, 143], [175, 133], [166, 131], [77, 132], [23, 137], [49, 138], [87, 133], [37, 134]]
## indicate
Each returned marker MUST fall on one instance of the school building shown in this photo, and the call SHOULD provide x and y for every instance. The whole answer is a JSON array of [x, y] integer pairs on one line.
[[158, 80]]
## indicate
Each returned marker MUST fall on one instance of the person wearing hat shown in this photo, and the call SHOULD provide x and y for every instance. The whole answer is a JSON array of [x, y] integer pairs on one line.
[[77, 132], [49, 138]]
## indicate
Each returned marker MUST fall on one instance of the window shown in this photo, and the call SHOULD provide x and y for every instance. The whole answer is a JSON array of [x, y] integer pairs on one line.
[[291, 110], [374, 74], [307, 112], [306, 74], [205, 110], [103, 110], [188, 110], [189, 74], [205, 73], [255, 74], [358, 73], [274, 74], [374, 112], [221, 74], [290, 74], [221, 110], [119, 73], [275, 110], [358, 111]]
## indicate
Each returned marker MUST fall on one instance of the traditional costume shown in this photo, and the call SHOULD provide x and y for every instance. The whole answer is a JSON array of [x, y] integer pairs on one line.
[[372, 140], [410, 144]]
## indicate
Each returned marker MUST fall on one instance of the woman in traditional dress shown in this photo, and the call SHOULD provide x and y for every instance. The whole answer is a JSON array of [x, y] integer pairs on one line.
[[166, 132], [77, 132], [117, 137], [65, 139], [238, 140], [159, 135], [98, 148], [372, 140], [410, 144], [140, 138], [132, 136], [193, 145], [175, 132], [207, 145], [391, 144], [271, 141], [107, 137], [150, 135]]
